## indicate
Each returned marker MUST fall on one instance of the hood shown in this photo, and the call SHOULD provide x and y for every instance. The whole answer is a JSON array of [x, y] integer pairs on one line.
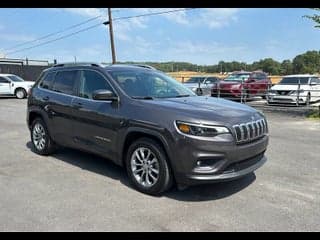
[[291, 87], [205, 110], [24, 83]]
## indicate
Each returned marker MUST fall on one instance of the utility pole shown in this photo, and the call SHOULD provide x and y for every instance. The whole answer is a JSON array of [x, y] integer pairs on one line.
[[111, 37]]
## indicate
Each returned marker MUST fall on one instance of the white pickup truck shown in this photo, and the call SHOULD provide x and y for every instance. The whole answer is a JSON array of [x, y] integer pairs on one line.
[[11, 84]]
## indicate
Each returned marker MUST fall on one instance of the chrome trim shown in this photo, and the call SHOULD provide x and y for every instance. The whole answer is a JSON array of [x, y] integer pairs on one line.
[[250, 130]]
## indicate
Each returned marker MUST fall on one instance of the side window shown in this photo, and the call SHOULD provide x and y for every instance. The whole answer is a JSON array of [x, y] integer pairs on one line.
[[315, 81], [65, 82], [47, 81], [3, 80], [211, 79], [91, 81]]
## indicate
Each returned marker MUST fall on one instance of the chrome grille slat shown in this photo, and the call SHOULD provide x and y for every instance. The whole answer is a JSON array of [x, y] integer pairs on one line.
[[250, 131]]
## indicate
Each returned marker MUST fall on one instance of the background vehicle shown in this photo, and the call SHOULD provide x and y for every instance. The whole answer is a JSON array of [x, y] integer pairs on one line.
[[14, 85], [144, 120], [245, 84], [206, 83], [303, 88]]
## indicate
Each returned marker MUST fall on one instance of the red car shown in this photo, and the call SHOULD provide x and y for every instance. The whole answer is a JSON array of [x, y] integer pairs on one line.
[[247, 84]]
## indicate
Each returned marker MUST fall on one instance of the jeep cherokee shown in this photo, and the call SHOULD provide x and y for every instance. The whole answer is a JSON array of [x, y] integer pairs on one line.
[[147, 122]]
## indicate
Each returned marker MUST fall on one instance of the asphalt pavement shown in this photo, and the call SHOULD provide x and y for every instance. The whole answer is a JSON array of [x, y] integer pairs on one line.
[[75, 191]]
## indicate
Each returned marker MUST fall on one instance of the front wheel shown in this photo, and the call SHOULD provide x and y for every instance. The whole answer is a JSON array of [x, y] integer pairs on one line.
[[147, 167]]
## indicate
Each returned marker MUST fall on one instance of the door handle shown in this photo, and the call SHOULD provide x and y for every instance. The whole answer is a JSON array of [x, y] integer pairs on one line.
[[46, 98], [77, 104]]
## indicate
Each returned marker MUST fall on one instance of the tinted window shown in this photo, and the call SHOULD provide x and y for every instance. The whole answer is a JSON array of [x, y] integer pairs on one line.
[[3, 80], [294, 80], [16, 78], [65, 82], [237, 77], [91, 81], [47, 80], [195, 80], [211, 79]]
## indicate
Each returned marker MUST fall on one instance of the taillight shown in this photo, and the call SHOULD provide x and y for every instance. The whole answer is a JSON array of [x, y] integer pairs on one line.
[[29, 91]]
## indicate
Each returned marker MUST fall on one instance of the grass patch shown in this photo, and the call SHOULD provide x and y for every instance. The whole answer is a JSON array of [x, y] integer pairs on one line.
[[314, 114]]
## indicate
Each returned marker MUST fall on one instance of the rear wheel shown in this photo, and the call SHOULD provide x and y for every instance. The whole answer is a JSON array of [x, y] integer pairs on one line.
[[21, 93], [147, 167], [41, 140]]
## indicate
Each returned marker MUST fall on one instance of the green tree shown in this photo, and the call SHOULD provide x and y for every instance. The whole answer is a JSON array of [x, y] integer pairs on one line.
[[315, 18], [308, 62], [286, 67]]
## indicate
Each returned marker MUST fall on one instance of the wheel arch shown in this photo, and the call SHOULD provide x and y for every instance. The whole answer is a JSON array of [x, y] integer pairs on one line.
[[137, 133]]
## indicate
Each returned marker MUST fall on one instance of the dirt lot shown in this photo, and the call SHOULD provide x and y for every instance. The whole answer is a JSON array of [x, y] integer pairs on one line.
[[73, 191]]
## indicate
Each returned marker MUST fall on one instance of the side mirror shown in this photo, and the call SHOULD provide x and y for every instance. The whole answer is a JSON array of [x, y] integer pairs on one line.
[[207, 82], [104, 95], [313, 84]]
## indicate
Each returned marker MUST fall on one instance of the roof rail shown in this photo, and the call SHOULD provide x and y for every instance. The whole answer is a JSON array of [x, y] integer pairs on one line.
[[72, 64], [144, 66]]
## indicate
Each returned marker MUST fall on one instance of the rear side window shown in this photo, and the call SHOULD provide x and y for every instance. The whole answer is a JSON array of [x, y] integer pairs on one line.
[[47, 80], [91, 81], [65, 82], [211, 79]]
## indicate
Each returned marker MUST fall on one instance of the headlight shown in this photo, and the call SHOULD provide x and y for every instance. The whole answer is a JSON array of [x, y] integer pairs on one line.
[[200, 130]]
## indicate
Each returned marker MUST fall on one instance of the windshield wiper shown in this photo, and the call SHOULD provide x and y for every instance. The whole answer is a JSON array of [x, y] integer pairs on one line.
[[143, 97]]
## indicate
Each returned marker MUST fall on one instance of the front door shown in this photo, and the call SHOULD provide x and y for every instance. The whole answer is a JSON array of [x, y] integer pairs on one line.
[[4, 86], [96, 122]]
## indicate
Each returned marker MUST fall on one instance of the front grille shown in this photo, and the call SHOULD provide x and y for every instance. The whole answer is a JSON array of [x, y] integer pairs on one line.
[[283, 92], [246, 132]]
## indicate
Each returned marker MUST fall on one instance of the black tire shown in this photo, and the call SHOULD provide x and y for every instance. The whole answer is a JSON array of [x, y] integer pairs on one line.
[[20, 93], [165, 177], [49, 146]]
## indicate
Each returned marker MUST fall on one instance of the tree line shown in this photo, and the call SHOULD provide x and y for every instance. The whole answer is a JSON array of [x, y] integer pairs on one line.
[[308, 62]]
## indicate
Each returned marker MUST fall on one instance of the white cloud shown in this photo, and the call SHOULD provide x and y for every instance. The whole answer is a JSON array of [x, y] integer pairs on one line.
[[217, 17], [86, 12]]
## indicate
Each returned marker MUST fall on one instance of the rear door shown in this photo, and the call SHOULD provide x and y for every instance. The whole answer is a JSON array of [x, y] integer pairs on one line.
[[57, 103], [4, 86], [96, 122]]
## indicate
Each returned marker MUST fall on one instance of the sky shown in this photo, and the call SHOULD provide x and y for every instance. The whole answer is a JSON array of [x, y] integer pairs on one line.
[[200, 36]]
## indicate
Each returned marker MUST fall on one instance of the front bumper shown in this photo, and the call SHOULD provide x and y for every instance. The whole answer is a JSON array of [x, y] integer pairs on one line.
[[286, 99], [218, 161]]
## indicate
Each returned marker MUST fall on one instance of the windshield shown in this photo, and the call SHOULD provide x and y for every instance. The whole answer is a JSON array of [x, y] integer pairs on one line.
[[15, 78], [149, 84], [294, 80], [195, 80], [237, 77]]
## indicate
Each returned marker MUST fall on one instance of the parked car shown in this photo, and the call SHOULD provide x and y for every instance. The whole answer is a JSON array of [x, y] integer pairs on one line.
[[206, 83], [147, 122], [297, 89], [11, 84], [242, 84]]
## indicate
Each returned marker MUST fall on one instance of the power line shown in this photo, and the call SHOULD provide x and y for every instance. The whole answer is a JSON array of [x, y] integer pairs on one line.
[[154, 13], [56, 39], [93, 26], [54, 33]]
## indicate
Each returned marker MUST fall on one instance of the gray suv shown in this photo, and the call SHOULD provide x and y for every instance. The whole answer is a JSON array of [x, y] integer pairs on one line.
[[147, 122]]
